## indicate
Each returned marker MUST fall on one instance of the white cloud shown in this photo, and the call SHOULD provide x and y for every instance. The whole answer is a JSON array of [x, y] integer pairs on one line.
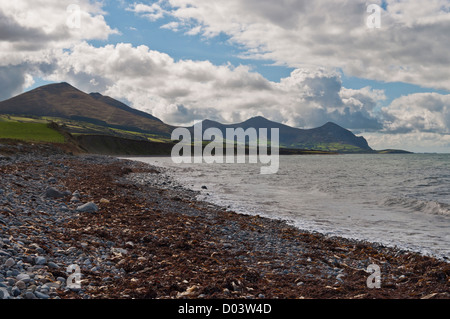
[[33, 35], [174, 26], [152, 12], [425, 112], [414, 141], [411, 46], [418, 122], [155, 82]]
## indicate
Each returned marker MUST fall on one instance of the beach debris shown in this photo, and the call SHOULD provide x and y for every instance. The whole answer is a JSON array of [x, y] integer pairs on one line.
[[189, 292], [430, 296]]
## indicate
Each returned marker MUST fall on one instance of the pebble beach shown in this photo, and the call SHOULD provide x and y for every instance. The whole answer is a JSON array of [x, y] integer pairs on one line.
[[132, 233]]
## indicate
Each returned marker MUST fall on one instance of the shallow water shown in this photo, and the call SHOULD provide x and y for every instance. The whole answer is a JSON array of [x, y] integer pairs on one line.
[[397, 200]]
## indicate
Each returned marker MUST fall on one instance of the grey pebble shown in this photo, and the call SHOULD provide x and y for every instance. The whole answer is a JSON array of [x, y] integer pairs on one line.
[[23, 277], [41, 295], [21, 285], [30, 295], [10, 262], [39, 260], [53, 265]]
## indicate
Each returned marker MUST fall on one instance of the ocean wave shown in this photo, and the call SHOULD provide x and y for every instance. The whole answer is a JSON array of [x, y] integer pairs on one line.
[[419, 205]]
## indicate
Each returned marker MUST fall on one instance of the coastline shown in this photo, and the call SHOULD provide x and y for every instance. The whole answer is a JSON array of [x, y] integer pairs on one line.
[[154, 240]]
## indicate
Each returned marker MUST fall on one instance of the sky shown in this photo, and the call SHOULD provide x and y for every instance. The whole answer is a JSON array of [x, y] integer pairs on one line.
[[378, 68]]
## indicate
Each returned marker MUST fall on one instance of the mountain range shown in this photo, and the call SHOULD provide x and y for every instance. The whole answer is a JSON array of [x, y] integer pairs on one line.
[[329, 137], [95, 117]]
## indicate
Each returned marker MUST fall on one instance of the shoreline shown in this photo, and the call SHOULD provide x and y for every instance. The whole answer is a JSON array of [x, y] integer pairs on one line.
[[149, 240], [205, 197]]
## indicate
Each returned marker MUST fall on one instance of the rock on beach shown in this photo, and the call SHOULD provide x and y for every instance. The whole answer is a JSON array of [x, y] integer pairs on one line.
[[52, 192], [88, 208]]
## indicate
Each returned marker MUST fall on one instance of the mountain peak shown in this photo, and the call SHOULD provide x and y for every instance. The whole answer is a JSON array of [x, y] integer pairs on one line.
[[57, 88], [331, 124], [259, 120], [62, 100], [58, 85]]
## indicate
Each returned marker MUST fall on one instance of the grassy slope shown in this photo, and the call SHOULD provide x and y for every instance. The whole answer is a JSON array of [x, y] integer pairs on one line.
[[101, 140], [29, 132], [84, 128]]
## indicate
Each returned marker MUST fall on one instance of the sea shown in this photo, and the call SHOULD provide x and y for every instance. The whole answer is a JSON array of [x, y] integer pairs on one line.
[[398, 200]]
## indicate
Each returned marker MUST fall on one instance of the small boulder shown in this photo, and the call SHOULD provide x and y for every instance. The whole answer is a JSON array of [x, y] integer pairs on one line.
[[52, 192], [88, 208]]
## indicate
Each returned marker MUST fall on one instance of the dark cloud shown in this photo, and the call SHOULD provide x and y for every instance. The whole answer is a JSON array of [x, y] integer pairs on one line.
[[324, 90], [355, 120], [12, 31], [13, 80]]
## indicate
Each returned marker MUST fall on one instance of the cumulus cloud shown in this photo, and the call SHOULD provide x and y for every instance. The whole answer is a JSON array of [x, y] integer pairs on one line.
[[33, 34], [413, 141], [418, 122], [154, 82], [411, 45], [425, 112]]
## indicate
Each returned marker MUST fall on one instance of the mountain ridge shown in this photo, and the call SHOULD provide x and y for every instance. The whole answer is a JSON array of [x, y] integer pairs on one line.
[[296, 138], [62, 100]]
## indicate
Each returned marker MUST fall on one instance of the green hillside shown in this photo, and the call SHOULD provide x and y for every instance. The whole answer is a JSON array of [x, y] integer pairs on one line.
[[29, 132]]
